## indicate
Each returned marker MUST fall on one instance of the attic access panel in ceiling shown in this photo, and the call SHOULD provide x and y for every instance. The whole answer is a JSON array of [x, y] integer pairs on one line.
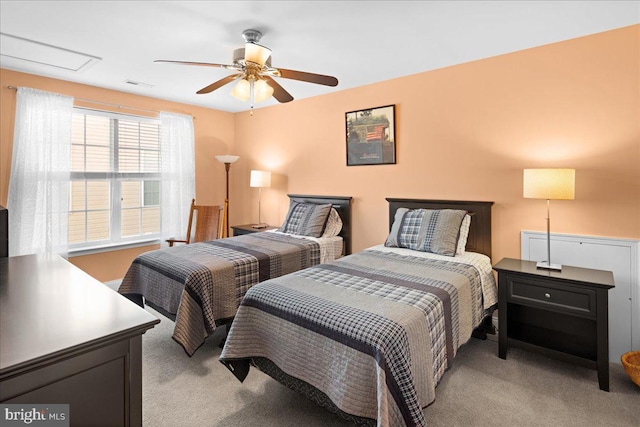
[[15, 50]]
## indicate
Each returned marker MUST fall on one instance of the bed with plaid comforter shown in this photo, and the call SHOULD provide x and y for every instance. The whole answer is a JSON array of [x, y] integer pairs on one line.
[[374, 332], [201, 285]]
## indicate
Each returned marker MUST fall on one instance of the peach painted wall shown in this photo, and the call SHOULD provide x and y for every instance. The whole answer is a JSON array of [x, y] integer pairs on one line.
[[214, 134], [466, 132]]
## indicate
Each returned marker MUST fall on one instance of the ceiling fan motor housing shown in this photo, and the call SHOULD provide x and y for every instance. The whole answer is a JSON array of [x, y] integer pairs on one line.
[[252, 36]]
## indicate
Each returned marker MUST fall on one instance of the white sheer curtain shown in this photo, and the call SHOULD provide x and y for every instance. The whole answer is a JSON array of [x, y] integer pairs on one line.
[[38, 201], [178, 173]]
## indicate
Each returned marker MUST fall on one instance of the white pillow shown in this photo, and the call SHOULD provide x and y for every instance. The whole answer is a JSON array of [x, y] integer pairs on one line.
[[464, 234], [334, 224]]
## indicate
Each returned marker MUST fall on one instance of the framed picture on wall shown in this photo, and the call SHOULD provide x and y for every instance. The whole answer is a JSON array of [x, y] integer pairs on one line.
[[371, 136]]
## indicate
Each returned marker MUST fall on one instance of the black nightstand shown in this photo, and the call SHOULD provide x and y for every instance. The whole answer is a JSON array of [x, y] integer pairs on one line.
[[239, 230], [562, 314]]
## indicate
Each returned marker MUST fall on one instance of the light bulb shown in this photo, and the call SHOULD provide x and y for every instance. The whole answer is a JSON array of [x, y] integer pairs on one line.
[[261, 91], [242, 90]]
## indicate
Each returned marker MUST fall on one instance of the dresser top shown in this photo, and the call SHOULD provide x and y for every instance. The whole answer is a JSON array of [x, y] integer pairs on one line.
[[568, 273], [48, 306]]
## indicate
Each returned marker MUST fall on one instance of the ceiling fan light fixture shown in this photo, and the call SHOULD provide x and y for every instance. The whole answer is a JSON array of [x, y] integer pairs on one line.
[[261, 91], [242, 90], [256, 53], [255, 75]]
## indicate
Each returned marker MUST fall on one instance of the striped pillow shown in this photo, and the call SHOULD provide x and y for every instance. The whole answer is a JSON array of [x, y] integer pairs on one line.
[[334, 224], [427, 230], [306, 219], [464, 235]]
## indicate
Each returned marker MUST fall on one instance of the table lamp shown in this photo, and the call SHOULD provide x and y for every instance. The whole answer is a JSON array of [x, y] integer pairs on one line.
[[549, 184], [260, 179]]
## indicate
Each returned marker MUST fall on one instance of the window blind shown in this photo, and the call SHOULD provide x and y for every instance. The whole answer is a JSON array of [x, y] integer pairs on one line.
[[115, 179]]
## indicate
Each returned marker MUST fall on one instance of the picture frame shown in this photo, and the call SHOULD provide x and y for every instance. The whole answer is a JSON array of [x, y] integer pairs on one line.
[[370, 136]]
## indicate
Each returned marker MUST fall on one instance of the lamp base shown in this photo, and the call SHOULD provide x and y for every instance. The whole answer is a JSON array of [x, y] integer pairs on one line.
[[546, 266], [259, 226]]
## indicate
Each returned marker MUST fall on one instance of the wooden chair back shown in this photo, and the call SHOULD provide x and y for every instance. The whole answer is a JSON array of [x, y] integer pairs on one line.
[[208, 224]]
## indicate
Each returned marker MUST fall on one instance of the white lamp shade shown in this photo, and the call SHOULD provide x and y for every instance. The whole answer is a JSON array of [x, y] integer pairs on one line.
[[260, 179], [256, 53], [227, 158], [242, 90], [261, 91], [550, 184]]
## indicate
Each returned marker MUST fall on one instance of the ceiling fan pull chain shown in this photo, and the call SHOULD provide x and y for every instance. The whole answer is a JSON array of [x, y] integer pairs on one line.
[[251, 90]]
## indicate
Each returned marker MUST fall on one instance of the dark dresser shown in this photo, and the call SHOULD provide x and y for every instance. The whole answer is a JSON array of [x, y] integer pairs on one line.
[[66, 338], [4, 232]]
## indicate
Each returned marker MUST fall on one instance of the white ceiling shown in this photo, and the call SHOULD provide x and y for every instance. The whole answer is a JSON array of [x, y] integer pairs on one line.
[[359, 42]]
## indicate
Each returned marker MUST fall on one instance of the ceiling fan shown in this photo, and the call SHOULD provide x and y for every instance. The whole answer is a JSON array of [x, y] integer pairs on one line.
[[255, 73]]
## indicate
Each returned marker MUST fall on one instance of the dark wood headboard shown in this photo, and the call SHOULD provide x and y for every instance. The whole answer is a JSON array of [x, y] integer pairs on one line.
[[479, 239], [341, 204]]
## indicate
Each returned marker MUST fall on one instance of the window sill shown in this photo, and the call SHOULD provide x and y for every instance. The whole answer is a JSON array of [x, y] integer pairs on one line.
[[112, 247]]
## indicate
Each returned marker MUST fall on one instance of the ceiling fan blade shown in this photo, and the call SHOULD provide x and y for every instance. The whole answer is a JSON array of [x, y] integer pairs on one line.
[[202, 64], [215, 85], [308, 77], [278, 91]]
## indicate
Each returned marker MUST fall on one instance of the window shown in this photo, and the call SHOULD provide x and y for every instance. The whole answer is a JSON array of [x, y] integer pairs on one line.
[[115, 179]]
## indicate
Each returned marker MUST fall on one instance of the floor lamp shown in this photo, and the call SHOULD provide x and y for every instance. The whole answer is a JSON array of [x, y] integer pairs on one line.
[[260, 179], [227, 160], [550, 184]]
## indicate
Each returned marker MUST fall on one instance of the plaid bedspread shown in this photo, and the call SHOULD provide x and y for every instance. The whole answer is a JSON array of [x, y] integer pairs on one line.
[[201, 285], [374, 331]]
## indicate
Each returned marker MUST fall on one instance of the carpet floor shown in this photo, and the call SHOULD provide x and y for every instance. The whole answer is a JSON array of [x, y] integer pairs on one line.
[[480, 389]]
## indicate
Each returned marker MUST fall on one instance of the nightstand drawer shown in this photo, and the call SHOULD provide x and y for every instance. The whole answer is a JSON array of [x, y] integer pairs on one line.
[[550, 296]]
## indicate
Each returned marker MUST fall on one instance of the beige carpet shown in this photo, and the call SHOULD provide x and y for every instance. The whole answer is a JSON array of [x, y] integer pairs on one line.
[[480, 390]]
